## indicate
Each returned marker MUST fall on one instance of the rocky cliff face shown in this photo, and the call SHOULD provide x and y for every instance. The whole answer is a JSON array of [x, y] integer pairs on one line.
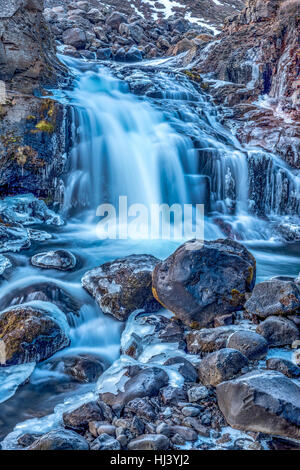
[[32, 139], [253, 67]]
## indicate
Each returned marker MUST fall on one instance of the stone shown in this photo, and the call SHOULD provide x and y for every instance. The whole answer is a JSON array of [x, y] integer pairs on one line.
[[123, 285], [149, 442], [209, 339], [186, 433], [142, 408], [105, 442], [274, 297], [184, 367], [84, 368], [196, 424], [172, 395], [261, 401], [133, 55], [200, 281], [60, 439], [31, 333], [5, 264], [278, 331], [75, 37], [97, 428], [183, 46], [59, 259], [104, 53], [115, 19], [78, 419], [142, 382], [190, 411], [224, 320], [284, 366], [221, 365], [249, 343], [197, 393]]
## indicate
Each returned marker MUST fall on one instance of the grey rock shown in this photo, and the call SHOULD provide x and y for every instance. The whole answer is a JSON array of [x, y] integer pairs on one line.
[[221, 365], [184, 367], [60, 439], [78, 419], [284, 366], [197, 393], [266, 402], [105, 442], [249, 343], [209, 339], [59, 259], [75, 37], [149, 442], [278, 331]]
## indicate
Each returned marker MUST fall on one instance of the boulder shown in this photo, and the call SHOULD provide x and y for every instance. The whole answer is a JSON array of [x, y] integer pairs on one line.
[[31, 333], [104, 53], [184, 367], [274, 297], [5, 264], [133, 55], [123, 285], [60, 439], [200, 281], [261, 401], [209, 339], [115, 19], [278, 331], [221, 365], [249, 343], [60, 259], [78, 420], [142, 382], [142, 408], [75, 37], [197, 393], [284, 366], [149, 442], [84, 368]]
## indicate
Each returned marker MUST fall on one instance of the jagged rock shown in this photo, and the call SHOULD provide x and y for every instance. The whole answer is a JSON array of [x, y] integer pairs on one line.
[[78, 419], [105, 442], [209, 339], [259, 401], [75, 37], [84, 368], [197, 393], [142, 382], [249, 343], [123, 285], [31, 333], [149, 442], [278, 331], [221, 365], [274, 297], [284, 366], [200, 281], [60, 259], [60, 439]]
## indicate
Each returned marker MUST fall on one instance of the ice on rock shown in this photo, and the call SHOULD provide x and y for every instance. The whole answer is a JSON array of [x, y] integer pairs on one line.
[[4, 264], [12, 377]]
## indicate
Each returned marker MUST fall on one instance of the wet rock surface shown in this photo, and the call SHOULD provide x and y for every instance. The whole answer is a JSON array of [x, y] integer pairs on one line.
[[249, 343], [123, 285], [221, 365], [198, 282], [60, 259], [278, 331], [60, 439]]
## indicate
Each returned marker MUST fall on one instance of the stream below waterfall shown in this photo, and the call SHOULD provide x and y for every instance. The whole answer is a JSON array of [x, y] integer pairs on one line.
[[146, 132]]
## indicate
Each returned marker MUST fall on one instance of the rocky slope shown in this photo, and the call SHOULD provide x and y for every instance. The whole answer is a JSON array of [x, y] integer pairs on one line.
[[32, 140], [252, 67]]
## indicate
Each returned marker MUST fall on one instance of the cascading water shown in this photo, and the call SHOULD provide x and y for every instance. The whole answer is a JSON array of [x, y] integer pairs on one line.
[[162, 143]]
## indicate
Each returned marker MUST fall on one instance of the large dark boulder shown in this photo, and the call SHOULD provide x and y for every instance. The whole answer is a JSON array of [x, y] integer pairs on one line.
[[266, 402], [60, 439], [278, 331], [31, 333], [123, 285], [79, 419], [201, 281], [221, 365], [249, 343], [209, 339], [284, 366], [274, 297]]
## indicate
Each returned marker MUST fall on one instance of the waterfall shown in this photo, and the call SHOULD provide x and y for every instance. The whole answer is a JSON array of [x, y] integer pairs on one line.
[[167, 146]]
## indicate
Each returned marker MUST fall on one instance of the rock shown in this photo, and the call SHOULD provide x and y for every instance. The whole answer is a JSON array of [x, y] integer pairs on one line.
[[183, 46], [97, 428], [224, 271], [190, 411], [5, 264], [172, 395], [278, 331], [105, 442], [31, 333], [197, 393], [60, 259], [115, 19], [27, 439], [78, 420], [196, 424], [184, 367], [104, 53], [84, 368], [259, 401], [75, 37], [142, 382], [149, 442], [13, 238], [120, 55], [209, 339], [284, 366], [60, 439], [274, 297], [123, 285], [186, 433], [133, 55], [142, 408], [224, 320], [221, 365], [249, 343]]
